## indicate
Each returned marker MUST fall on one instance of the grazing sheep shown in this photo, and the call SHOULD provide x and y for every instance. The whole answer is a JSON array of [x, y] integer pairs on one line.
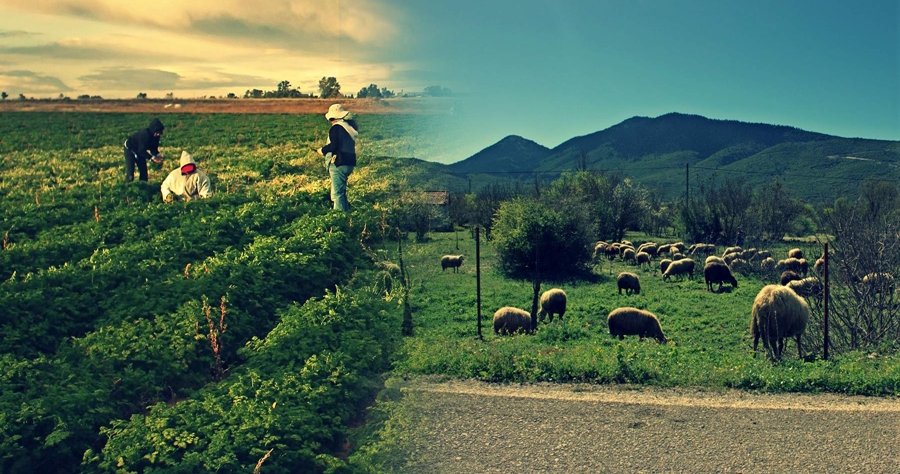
[[612, 250], [808, 287], [664, 264], [880, 282], [732, 250], [509, 320], [553, 301], [702, 249], [629, 282], [730, 257], [795, 253], [628, 321], [663, 249], [713, 258], [452, 261], [677, 256], [599, 249], [741, 266], [763, 254], [788, 276], [390, 267], [627, 243], [778, 313], [792, 264], [748, 254], [685, 266], [648, 247], [804, 266], [718, 272], [767, 264], [819, 265], [628, 254], [680, 246], [643, 258]]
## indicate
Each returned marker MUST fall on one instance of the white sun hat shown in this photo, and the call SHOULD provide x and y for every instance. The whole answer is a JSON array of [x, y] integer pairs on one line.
[[336, 111]]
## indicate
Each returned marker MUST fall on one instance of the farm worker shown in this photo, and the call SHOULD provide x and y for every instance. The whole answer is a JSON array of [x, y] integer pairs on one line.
[[139, 147], [186, 182], [340, 153]]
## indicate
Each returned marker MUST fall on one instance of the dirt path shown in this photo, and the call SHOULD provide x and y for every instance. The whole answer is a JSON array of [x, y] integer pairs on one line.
[[475, 427]]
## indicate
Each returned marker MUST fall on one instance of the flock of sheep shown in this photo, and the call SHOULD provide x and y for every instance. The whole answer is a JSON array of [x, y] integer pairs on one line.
[[780, 311]]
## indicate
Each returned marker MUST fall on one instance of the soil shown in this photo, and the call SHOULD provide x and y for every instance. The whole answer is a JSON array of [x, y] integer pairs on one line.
[[229, 106], [479, 427]]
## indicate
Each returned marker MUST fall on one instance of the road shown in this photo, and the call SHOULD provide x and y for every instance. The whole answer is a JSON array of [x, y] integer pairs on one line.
[[468, 427]]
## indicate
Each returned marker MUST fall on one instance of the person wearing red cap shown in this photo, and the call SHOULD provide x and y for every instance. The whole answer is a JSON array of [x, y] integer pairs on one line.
[[186, 182], [340, 153]]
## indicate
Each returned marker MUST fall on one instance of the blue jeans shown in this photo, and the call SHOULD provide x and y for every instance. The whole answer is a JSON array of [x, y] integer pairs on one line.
[[339, 175]]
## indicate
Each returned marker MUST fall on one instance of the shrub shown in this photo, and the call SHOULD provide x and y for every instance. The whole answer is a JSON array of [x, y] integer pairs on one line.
[[531, 235]]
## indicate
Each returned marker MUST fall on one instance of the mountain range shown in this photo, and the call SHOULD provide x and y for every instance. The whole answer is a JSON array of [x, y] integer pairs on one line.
[[658, 151]]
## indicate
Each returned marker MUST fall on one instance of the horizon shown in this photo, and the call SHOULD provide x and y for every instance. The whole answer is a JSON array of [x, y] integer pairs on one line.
[[547, 71]]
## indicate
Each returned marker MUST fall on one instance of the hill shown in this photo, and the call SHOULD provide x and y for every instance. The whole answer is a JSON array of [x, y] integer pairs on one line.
[[655, 151]]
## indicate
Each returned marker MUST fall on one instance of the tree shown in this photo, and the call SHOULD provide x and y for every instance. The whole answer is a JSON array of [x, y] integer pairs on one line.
[[254, 94], [4, 95], [142, 95], [329, 88], [373, 92], [232, 95], [437, 91]]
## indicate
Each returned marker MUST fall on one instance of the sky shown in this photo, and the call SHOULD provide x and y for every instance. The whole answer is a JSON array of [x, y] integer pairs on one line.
[[546, 70]]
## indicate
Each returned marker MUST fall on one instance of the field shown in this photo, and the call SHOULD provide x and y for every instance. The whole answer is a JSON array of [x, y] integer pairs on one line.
[[252, 327]]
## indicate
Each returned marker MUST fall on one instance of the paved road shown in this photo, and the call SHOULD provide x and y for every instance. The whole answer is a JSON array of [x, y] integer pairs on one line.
[[466, 427]]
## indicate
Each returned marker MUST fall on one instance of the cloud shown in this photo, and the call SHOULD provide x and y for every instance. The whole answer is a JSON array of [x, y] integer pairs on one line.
[[32, 82], [131, 78], [215, 79], [16, 34], [61, 51]]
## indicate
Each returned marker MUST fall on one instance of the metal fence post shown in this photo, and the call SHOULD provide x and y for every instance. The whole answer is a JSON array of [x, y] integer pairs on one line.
[[478, 277]]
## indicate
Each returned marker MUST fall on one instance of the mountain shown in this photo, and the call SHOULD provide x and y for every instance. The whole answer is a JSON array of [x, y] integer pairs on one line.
[[511, 154], [656, 152]]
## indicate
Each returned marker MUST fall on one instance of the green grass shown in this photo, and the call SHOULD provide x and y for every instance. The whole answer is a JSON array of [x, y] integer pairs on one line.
[[709, 341]]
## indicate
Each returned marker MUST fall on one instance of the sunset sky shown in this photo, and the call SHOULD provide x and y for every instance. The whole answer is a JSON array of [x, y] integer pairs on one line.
[[546, 70]]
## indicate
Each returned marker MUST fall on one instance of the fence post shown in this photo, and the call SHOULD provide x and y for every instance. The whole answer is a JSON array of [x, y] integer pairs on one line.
[[478, 277], [826, 297]]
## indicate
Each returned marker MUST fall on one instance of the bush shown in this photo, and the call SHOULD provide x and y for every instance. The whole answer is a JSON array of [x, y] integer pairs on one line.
[[529, 231]]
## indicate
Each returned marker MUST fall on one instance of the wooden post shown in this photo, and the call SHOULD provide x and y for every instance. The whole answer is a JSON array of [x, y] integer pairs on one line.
[[478, 277], [407, 325], [826, 296]]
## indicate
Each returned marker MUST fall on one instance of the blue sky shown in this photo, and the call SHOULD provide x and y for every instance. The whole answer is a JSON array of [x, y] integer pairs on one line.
[[551, 70], [546, 70]]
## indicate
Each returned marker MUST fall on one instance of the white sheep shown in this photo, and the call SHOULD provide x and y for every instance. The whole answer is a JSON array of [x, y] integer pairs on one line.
[[729, 250], [778, 313], [509, 320], [793, 264], [553, 301], [452, 261], [685, 266], [643, 258], [629, 282], [628, 254], [664, 264], [628, 321], [795, 253], [767, 264], [740, 265], [714, 258], [808, 287]]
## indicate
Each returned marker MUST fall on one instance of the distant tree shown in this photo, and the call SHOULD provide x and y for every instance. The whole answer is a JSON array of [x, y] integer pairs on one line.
[[373, 92], [84, 97], [232, 95], [170, 96], [22, 97], [4, 95], [329, 88], [437, 91], [387, 93], [254, 94], [142, 95]]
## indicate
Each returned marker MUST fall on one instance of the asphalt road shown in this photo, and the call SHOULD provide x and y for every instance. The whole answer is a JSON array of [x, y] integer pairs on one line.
[[469, 427]]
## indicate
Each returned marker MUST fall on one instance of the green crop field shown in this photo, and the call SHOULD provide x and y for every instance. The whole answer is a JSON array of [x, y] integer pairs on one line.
[[253, 327]]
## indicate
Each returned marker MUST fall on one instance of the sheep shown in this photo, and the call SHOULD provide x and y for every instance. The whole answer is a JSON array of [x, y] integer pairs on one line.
[[680, 246], [628, 254], [804, 266], [627, 243], [509, 320], [553, 301], [451, 261], [778, 313], [795, 253], [713, 258], [643, 258], [788, 276], [730, 257], [732, 250], [808, 287], [628, 321], [717, 272], [677, 256], [767, 264], [629, 282], [763, 254], [680, 267], [390, 267], [612, 250], [740, 265], [879, 282], [648, 247], [792, 264], [702, 249], [599, 248], [664, 264], [819, 266], [663, 249]]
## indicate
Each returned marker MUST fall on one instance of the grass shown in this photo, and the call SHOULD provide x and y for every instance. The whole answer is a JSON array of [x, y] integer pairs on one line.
[[709, 341]]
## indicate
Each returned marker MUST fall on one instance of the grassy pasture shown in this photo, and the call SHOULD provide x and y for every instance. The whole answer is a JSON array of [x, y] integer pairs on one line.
[[710, 343]]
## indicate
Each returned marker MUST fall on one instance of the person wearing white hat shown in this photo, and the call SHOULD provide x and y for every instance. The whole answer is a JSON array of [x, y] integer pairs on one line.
[[340, 153], [186, 182]]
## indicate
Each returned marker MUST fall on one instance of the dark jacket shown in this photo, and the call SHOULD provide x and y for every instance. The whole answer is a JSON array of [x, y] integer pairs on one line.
[[341, 145], [143, 143]]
